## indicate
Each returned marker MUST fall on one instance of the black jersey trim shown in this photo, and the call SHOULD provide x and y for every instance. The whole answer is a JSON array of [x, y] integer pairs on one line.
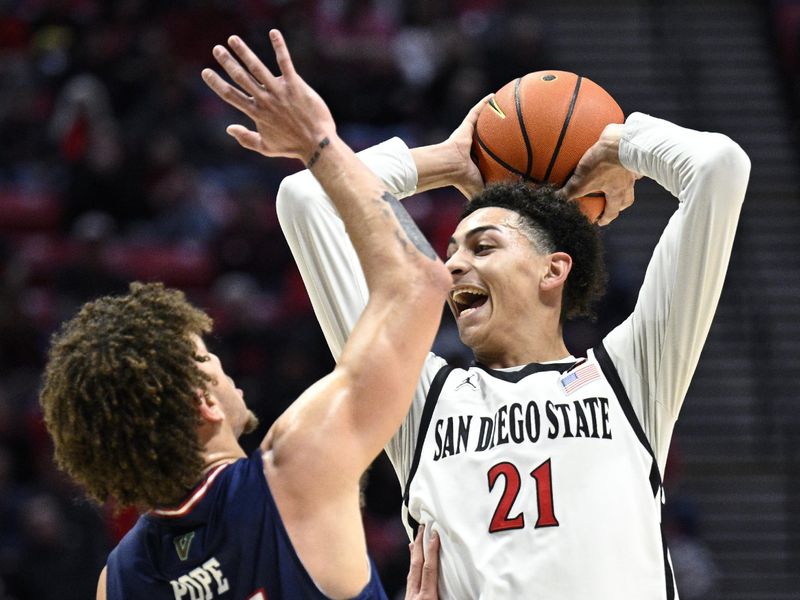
[[520, 374], [610, 371], [412, 523], [427, 413], [667, 565]]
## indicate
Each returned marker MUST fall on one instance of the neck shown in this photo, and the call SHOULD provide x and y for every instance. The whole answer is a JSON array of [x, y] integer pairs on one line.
[[217, 459], [220, 448], [523, 347]]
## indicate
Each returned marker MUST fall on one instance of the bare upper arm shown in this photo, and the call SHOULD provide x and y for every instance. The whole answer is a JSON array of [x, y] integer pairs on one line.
[[316, 496], [316, 452], [101, 585]]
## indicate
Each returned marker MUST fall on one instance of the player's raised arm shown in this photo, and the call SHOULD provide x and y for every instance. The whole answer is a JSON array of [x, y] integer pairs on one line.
[[316, 452], [402, 271], [328, 263], [317, 239], [321, 247], [657, 348]]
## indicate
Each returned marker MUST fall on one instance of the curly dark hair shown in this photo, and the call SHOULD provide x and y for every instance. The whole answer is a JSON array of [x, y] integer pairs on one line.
[[120, 396], [555, 224]]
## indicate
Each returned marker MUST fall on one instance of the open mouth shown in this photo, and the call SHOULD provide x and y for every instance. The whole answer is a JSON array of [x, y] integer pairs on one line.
[[467, 299]]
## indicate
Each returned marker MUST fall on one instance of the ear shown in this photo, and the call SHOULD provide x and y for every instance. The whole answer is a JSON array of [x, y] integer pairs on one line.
[[209, 408], [558, 267]]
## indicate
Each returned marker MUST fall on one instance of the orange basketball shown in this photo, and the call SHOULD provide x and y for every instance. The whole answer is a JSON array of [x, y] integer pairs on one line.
[[537, 127]]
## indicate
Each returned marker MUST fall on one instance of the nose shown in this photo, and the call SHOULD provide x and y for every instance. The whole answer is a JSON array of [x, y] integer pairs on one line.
[[457, 263]]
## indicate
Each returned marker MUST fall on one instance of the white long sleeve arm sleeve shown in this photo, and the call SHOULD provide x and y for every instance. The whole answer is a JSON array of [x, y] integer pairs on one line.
[[317, 238], [657, 348]]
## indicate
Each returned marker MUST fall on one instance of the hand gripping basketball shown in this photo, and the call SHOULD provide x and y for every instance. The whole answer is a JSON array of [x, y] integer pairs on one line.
[[601, 170]]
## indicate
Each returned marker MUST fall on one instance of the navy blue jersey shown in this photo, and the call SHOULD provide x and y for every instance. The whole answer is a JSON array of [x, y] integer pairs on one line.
[[226, 540]]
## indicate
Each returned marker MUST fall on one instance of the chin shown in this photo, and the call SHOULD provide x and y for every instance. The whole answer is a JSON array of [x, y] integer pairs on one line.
[[251, 424], [481, 344], [471, 339]]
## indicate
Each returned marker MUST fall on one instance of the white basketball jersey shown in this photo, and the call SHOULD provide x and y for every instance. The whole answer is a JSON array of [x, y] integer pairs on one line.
[[542, 481], [541, 484]]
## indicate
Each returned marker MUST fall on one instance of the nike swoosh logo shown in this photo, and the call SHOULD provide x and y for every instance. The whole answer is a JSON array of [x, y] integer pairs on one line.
[[493, 104]]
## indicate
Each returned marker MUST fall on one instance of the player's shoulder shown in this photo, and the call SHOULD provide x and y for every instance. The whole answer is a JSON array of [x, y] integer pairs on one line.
[[132, 542], [128, 561], [241, 483]]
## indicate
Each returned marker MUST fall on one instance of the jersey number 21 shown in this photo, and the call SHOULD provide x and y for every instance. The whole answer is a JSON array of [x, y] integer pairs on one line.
[[544, 497]]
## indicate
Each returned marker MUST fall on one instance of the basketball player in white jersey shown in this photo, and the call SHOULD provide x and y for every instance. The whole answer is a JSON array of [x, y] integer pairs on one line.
[[540, 471]]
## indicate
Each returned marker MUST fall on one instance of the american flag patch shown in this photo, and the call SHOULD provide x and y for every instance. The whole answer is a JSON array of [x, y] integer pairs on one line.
[[579, 377]]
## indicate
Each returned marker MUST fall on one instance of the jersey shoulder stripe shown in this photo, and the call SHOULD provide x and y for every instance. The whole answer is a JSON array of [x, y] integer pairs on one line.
[[187, 505], [430, 404], [611, 374]]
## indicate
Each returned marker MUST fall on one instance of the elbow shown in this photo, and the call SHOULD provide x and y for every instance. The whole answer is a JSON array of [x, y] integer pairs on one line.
[[443, 280], [424, 284], [432, 283], [293, 197], [732, 157], [725, 168]]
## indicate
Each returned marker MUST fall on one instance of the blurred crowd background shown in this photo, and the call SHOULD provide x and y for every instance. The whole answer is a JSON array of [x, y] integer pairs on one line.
[[115, 166]]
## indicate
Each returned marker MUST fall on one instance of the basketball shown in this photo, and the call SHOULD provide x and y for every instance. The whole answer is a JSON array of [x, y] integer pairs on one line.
[[537, 127]]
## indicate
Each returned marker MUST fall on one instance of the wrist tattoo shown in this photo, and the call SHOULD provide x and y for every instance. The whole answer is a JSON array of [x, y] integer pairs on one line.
[[411, 230], [315, 157]]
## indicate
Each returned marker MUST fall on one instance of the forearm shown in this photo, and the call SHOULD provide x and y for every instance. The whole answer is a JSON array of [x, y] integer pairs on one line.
[[361, 404], [450, 162], [437, 166], [386, 240], [319, 243]]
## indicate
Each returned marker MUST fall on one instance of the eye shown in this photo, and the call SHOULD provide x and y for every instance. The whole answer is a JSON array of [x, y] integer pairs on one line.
[[481, 249]]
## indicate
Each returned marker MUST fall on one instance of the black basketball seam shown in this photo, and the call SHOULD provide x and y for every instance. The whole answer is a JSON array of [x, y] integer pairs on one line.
[[499, 160], [563, 128], [524, 131]]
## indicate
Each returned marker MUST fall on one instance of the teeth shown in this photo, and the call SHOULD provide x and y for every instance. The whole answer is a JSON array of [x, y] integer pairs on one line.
[[456, 294]]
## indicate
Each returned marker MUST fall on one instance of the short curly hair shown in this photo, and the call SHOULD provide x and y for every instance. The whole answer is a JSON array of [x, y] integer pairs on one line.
[[120, 396], [555, 224]]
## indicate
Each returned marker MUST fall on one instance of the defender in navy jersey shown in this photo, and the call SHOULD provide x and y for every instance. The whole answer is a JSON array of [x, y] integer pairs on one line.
[[140, 411], [226, 539], [542, 471]]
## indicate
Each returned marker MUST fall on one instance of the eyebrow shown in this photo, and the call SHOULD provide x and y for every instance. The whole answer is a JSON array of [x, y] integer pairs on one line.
[[473, 232]]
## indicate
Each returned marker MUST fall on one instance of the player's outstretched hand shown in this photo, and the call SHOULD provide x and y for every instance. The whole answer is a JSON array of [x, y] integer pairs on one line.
[[423, 575], [600, 170], [290, 117]]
